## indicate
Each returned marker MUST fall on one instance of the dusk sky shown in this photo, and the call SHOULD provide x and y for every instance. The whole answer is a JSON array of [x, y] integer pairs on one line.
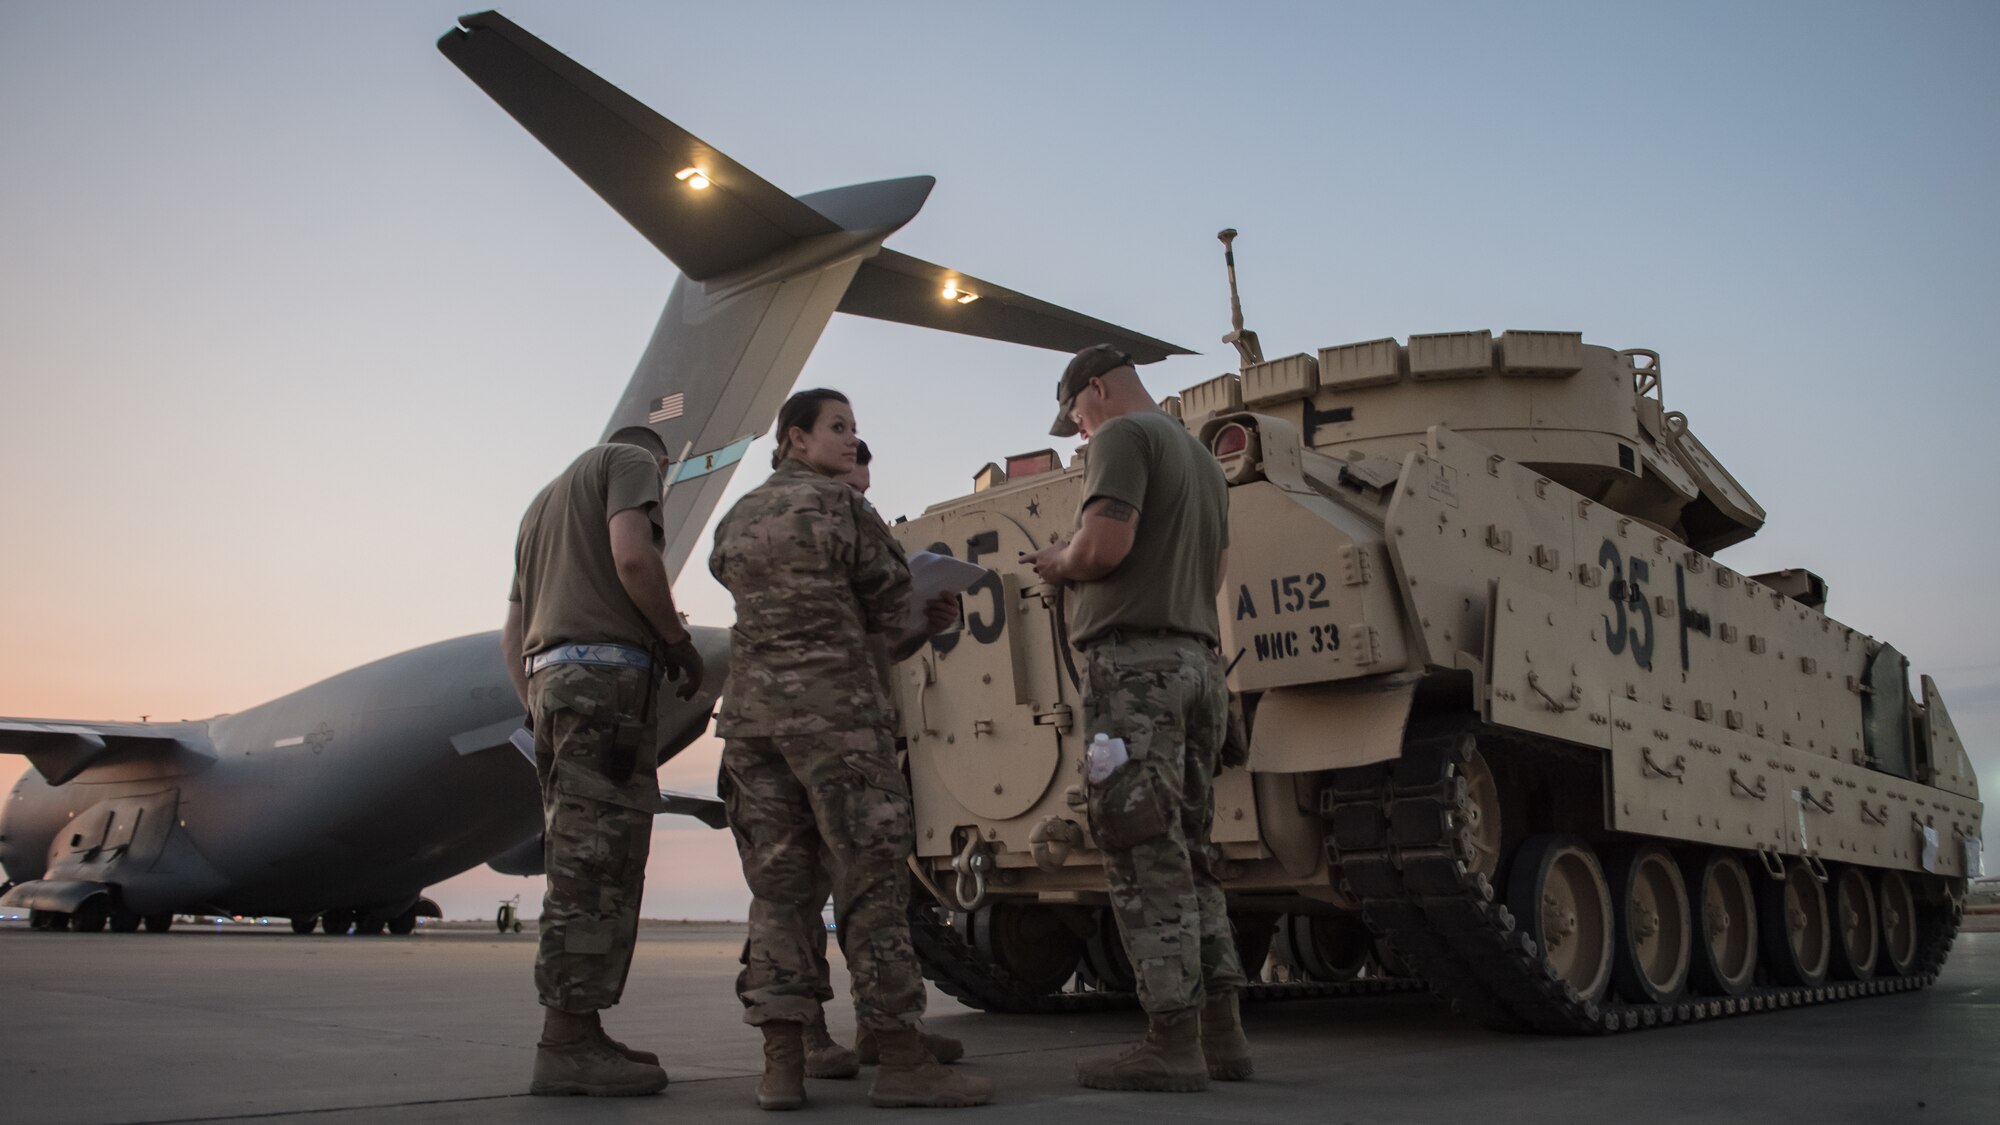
[[294, 320]]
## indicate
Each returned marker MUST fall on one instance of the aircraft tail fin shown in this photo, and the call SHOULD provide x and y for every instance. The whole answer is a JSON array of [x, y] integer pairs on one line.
[[629, 155], [763, 271]]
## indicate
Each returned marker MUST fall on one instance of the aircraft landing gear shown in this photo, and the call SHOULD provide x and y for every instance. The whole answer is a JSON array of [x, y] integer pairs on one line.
[[124, 922], [91, 915], [337, 921], [52, 921], [305, 924], [404, 923], [159, 923], [369, 927]]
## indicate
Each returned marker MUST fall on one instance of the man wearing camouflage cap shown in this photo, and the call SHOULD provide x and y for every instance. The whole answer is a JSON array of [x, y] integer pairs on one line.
[[591, 627], [1143, 571]]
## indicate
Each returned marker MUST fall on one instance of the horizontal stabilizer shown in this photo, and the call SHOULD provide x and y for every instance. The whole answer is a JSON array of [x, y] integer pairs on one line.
[[708, 810], [524, 858], [61, 750], [897, 287], [629, 155], [492, 736]]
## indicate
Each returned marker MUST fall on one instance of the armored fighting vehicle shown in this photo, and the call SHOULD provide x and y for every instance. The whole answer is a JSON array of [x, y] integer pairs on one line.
[[1513, 732]]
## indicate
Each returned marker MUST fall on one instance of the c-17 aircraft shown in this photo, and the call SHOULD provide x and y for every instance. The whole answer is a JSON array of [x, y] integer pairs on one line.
[[338, 804]]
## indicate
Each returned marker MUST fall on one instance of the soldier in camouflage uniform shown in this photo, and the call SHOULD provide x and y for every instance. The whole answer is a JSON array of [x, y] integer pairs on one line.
[[1143, 569], [590, 627], [807, 759], [826, 1058]]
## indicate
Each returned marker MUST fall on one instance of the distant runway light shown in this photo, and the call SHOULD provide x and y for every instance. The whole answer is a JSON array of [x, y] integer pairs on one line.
[[692, 177]]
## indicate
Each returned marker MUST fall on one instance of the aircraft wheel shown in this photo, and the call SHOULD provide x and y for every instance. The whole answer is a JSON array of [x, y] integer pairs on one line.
[[337, 921], [124, 922], [305, 923], [1557, 891], [1654, 931], [369, 927], [92, 915], [404, 923], [1898, 909], [1792, 915], [1857, 931], [159, 923], [53, 921], [1725, 924], [1324, 947]]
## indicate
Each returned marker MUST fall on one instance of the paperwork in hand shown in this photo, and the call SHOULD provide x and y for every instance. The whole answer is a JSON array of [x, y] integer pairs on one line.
[[932, 574]]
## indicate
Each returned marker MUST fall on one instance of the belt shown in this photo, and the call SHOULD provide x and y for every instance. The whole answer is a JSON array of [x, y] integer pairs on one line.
[[1122, 635], [615, 656]]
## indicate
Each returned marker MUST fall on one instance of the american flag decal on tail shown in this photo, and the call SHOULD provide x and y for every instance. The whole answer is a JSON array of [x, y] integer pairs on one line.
[[667, 408]]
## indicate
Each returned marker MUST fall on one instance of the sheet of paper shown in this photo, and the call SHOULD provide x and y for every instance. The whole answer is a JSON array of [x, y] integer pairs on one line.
[[932, 574]]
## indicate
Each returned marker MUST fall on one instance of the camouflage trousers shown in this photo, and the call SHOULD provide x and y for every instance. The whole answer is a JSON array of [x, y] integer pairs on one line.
[[815, 938], [593, 749], [787, 797], [1152, 816]]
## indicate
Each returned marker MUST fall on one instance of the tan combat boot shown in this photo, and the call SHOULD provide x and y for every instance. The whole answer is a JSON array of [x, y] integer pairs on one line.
[[632, 1053], [909, 1076], [784, 1083], [573, 1058], [943, 1048], [1222, 1041], [1167, 1059], [824, 1057]]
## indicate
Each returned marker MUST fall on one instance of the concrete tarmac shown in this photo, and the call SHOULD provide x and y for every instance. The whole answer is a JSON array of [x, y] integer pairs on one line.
[[252, 1025]]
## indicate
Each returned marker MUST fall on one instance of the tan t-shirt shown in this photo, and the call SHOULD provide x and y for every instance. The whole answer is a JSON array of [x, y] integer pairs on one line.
[[1169, 580], [564, 575]]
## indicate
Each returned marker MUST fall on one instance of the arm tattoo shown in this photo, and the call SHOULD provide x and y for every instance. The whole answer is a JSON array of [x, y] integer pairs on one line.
[[1114, 509]]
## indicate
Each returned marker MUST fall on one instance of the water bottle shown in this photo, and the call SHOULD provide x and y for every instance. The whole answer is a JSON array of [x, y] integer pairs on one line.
[[1105, 755]]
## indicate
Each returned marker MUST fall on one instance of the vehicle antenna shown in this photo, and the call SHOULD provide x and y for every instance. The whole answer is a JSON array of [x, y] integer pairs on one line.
[[1244, 341]]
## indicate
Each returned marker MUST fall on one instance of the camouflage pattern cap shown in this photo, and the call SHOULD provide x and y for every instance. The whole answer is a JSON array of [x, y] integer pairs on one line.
[[1088, 364]]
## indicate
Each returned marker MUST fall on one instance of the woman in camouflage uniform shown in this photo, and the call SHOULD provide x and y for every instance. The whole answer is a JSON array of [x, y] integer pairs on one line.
[[807, 757]]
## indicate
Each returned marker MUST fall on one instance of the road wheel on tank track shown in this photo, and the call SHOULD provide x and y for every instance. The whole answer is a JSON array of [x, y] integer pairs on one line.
[[1253, 934], [1328, 948], [1655, 931], [305, 923], [1793, 919], [405, 923], [1491, 820], [337, 921], [1724, 960], [1898, 910], [1032, 944], [1105, 966], [124, 922], [1387, 960], [1857, 926], [92, 915], [159, 923], [1557, 892]]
